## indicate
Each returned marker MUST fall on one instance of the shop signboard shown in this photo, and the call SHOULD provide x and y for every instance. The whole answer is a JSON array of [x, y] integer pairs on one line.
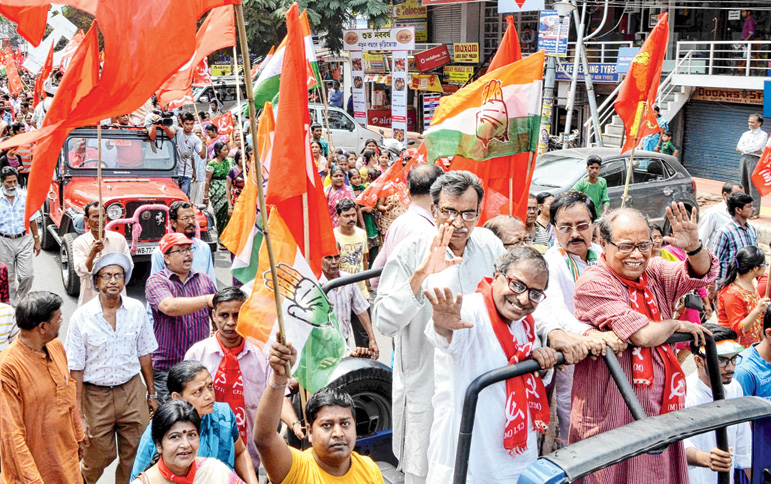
[[395, 38], [511, 6], [466, 53], [548, 31], [430, 103], [382, 117], [624, 59], [458, 74], [740, 96], [399, 88], [425, 82], [599, 72], [221, 70], [432, 58], [412, 13], [359, 97]]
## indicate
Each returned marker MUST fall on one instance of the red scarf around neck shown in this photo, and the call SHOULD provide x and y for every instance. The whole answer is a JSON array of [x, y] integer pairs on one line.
[[643, 301], [523, 392], [229, 384], [168, 475]]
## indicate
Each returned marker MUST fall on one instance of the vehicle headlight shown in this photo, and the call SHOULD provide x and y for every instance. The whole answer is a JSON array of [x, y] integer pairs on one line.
[[115, 211]]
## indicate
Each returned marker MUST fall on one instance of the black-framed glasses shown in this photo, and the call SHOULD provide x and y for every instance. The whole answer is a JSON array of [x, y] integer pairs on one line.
[[580, 227], [522, 242], [183, 251], [451, 214], [628, 248], [723, 361], [519, 287]]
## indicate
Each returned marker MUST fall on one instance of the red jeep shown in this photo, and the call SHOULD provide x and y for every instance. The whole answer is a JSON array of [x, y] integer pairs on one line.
[[138, 185]]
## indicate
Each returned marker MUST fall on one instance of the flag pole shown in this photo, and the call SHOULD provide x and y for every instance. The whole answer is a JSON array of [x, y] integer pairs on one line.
[[258, 168], [238, 112], [99, 177], [768, 281], [631, 156], [323, 90]]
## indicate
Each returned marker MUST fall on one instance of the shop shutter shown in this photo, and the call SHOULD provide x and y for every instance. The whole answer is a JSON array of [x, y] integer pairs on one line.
[[710, 135], [446, 23]]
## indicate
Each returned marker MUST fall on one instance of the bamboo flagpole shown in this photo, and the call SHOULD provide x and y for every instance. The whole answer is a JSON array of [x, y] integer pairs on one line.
[[323, 90], [238, 112], [631, 156], [99, 177]]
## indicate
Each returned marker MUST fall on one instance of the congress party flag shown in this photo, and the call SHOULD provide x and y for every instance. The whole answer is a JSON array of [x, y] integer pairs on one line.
[[311, 325], [497, 115]]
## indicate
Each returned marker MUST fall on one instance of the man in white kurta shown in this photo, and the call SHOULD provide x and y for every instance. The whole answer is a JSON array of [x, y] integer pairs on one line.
[[458, 256], [472, 349], [701, 450]]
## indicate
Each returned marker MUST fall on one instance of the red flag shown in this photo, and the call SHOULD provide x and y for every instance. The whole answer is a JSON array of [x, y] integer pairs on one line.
[[43, 75], [393, 181], [201, 77], [288, 181], [508, 50], [31, 20], [69, 51], [15, 85], [224, 123], [179, 98], [761, 176], [641, 84]]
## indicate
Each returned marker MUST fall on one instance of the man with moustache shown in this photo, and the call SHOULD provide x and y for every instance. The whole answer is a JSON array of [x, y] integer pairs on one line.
[[477, 333], [180, 298], [572, 215], [633, 294]]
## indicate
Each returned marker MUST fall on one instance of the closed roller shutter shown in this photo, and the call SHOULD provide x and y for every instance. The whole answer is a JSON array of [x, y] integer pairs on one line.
[[446, 23], [710, 135]]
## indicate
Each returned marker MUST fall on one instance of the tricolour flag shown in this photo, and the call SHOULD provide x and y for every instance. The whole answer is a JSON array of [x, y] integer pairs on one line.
[[310, 323], [266, 86], [243, 235], [497, 115], [638, 92], [256, 69]]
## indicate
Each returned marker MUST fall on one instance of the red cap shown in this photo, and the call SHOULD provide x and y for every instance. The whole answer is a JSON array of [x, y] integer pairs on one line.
[[170, 240]]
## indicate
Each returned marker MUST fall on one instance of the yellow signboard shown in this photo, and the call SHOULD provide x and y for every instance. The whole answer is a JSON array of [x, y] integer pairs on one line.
[[412, 9], [467, 53], [221, 70], [458, 74]]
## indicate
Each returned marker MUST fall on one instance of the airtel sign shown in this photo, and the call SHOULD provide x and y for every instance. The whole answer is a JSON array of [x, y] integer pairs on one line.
[[432, 58]]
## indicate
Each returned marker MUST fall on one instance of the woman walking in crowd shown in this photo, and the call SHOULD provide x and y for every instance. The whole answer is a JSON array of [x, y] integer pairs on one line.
[[218, 434], [336, 191], [213, 138], [370, 144], [390, 207], [318, 158], [216, 186], [176, 435], [235, 179], [544, 231], [738, 305], [368, 160]]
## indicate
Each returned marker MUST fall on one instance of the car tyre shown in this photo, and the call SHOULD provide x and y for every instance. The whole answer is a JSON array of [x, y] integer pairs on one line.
[[70, 278], [47, 241], [370, 389]]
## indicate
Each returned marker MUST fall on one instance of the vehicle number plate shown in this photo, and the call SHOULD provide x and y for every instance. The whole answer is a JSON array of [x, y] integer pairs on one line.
[[145, 250]]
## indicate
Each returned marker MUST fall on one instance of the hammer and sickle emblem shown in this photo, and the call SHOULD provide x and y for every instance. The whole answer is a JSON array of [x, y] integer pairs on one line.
[[512, 412], [678, 386]]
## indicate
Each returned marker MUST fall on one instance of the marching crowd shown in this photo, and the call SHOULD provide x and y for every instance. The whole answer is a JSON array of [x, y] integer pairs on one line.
[[176, 394]]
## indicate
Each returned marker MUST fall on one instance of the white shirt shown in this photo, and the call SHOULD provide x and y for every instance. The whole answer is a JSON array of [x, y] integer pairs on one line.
[[711, 220], [8, 329], [556, 311], [752, 141], [345, 299], [81, 247], [739, 436], [109, 357], [400, 314], [473, 352]]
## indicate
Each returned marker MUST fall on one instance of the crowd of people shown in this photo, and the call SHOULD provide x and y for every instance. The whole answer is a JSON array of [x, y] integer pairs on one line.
[[170, 389]]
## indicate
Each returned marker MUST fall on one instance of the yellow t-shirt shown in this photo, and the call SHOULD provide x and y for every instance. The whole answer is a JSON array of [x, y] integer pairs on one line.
[[305, 470], [352, 251]]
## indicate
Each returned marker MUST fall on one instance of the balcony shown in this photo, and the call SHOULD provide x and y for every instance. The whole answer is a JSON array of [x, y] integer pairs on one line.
[[723, 64]]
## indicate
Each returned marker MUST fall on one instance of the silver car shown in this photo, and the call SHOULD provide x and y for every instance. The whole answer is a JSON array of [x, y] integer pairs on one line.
[[657, 179]]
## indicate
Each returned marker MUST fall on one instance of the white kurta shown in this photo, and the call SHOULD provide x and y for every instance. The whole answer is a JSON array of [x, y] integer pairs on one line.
[[739, 436], [473, 352], [399, 314]]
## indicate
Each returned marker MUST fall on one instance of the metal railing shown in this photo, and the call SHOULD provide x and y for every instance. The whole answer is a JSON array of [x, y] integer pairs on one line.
[[726, 58], [600, 51], [351, 278]]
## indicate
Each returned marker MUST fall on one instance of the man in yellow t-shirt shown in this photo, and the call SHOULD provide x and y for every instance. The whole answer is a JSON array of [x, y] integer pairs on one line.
[[354, 251], [332, 433]]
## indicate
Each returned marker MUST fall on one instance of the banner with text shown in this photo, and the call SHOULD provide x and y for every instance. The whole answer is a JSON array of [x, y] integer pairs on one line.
[[399, 95], [466, 53], [412, 13], [396, 38], [599, 72], [359, 97], [458, 74], [551, 37]]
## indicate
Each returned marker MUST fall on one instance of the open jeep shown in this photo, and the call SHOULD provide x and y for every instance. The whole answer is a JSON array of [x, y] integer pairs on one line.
[[138, 185]]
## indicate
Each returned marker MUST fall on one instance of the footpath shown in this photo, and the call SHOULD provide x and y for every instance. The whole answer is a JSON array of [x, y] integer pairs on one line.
[[708, 194]]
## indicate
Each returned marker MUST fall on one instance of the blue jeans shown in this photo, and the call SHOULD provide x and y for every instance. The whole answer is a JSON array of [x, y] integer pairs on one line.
[[184, 183]]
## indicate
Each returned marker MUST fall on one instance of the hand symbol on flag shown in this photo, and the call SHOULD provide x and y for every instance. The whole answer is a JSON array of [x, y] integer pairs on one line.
[[309, 303]]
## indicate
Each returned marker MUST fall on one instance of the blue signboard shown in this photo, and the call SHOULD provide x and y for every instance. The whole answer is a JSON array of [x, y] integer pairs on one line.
[[625, 56], [549, 30], [767, 99], [599, 72]]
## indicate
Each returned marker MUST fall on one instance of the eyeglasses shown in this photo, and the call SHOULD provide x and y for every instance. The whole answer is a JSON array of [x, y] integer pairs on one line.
[[183, 251], [108, 277], [627, 248], [569, 228], [189, 218], [518, 242], [723, 362], [451, 214], [518, 287]]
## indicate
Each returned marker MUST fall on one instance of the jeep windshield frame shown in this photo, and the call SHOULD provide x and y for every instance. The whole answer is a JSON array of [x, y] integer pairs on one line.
[[164, 163]]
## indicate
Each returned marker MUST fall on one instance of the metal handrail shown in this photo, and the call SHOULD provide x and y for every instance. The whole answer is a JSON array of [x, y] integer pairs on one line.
[[625, 388], [730, 58], [351, 278]]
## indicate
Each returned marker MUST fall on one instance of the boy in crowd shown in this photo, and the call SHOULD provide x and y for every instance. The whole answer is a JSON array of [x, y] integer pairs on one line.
[[594, 185], [666, 146]]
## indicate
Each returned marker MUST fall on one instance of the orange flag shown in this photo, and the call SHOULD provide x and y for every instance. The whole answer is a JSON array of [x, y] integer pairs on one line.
[[508, 50], [43, 75], [292, 173], [761, 176], [31, 20], [224, 123], [15, 85], [69, 50], [640, 87]]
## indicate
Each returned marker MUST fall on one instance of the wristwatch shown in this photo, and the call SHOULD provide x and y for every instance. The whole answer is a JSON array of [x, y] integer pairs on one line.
[[154, 396], [35, 237], [696, 250]]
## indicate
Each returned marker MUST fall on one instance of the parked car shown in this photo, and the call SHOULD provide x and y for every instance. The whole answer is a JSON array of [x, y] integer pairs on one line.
[[657, 179], [138, 185], [222, 89]]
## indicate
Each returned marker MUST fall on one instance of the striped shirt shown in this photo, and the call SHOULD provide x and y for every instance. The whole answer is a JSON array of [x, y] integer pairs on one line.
[[177, 334], [729, 239], [603, 301], [8, 328], [345, 299]]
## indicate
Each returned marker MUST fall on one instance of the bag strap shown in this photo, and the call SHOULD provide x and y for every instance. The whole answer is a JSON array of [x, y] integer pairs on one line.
[[143, 477]]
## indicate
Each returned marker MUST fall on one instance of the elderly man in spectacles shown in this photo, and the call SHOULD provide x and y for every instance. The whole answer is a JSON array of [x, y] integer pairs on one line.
[[480, 332], [633, 294]]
